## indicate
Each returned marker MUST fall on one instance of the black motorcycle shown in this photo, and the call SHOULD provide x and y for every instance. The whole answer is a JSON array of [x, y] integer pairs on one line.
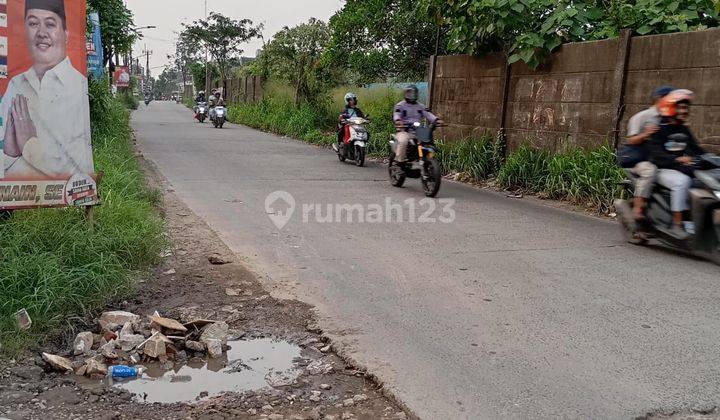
[[421, 162], [703, 220]]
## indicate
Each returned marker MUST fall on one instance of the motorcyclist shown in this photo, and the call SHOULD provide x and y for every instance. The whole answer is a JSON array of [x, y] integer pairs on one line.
[[199, 99], [211, 98], [216, 99], [634, 156], [406, 114], [351, 110], [673, 149]]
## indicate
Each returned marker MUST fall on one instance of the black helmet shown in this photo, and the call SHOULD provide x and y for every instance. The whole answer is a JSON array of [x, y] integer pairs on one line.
[[412, 93]]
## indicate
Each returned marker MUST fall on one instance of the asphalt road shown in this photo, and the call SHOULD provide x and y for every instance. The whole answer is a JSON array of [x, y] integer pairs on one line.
[[513, 310]]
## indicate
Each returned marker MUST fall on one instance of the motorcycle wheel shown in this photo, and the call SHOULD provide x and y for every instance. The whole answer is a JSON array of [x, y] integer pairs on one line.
[[628, 225], [431, 183], [360, 156], [397, 175]]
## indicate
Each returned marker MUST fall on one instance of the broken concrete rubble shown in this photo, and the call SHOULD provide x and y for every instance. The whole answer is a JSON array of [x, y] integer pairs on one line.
[[113, 320], [83, 343], [130, 342], [167, 323], [58, 363], [108, 350], [214, 348], [124, 338], [155, 346], [195, 346], [96, 366], [216, 331]]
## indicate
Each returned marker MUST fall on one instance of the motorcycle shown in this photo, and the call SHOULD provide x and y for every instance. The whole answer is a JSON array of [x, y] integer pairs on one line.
[[421, 162], [218, 116], [147, 100], [201, 111], [703, 225], [354, 147]]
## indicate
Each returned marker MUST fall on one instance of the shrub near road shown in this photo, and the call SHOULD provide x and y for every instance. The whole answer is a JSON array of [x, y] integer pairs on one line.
[[316, 123], [54, 265]]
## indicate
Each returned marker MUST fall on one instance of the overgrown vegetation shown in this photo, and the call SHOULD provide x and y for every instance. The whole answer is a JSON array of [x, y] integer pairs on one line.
[[58, 267], [317, 123], [378, 40], [528, 30], [117, 28]]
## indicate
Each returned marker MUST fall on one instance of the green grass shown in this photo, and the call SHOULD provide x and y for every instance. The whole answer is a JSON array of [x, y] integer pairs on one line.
[[316, 122], [129, 99], [586, 178], [477, 158], [56, 266]]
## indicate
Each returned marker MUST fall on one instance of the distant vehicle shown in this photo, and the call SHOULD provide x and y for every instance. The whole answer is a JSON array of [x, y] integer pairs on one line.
[[703, 221], [354, 146], [421, 162]]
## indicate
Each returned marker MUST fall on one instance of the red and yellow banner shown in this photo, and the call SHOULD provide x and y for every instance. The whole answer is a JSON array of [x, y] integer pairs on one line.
[[46, 157]]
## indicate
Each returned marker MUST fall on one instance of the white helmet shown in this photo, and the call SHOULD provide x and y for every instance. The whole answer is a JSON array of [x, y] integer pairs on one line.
[[349, 96]]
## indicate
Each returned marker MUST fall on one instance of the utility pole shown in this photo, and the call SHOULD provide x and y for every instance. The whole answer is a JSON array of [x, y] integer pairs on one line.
[[147, 54], [207, 61]]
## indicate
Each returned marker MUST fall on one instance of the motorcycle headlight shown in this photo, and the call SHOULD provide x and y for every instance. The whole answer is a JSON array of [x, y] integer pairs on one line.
[[717, 194]]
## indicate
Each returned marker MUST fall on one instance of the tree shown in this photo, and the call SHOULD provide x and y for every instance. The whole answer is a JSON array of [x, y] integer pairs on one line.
[[116, 24], [222, 37], [294, 55], [380, 39], [197, 72], [166, 83], [185, 55], [528, 30]]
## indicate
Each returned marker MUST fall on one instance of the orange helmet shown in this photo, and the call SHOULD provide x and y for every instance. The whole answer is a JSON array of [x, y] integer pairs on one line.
[[668, 104]]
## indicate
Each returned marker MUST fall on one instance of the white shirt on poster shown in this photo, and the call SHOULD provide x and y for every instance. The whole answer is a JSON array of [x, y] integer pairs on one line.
[[60, 110]]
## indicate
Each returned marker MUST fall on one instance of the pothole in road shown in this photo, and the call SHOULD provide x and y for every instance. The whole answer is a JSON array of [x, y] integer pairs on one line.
[[248, 366]]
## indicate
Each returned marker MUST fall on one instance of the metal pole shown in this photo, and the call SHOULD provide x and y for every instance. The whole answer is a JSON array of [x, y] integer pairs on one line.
[[207, 61]]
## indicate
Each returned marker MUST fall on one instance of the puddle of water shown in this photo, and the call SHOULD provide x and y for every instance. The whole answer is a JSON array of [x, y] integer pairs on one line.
[[249, 366]]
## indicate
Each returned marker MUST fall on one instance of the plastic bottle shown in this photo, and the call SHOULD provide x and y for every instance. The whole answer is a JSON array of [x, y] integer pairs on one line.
[[119, 372]]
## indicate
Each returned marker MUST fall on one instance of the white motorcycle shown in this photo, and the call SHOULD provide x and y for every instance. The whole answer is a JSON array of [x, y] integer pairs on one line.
[[354, 146], [218, 116], [201, 111]]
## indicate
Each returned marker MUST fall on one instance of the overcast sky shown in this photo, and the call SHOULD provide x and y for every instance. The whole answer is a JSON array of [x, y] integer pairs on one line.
[[169, 15]]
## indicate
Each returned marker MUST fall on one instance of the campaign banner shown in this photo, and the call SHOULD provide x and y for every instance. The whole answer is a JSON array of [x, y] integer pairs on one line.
[[94, 47], [122, 77], [46, 152]]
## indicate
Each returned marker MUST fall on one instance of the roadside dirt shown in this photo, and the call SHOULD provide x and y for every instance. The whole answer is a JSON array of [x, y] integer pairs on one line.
[[187, 282]]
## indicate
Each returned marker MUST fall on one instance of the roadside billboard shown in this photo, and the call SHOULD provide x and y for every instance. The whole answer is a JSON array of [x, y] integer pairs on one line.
[[122, 77], [46, 158], [94, 47]]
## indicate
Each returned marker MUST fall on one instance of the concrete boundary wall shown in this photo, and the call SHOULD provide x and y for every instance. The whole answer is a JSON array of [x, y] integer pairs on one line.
[[581, 93]]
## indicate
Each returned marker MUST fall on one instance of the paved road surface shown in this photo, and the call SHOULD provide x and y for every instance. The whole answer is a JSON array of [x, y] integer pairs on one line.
[[515, 310]]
